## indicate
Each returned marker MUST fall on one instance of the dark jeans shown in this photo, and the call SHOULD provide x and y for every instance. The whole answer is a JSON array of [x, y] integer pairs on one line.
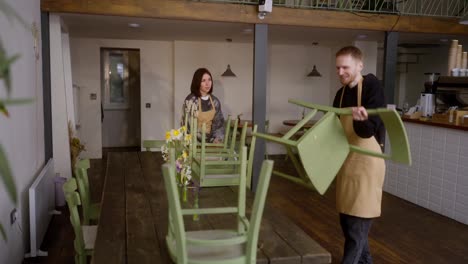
[[356, 247]]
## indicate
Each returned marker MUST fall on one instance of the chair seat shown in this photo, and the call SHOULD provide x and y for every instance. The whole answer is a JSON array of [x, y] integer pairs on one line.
[[211, 254], [89, 236]]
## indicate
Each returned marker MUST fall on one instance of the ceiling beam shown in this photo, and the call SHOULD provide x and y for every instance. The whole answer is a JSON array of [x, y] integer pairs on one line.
[[193, 10]]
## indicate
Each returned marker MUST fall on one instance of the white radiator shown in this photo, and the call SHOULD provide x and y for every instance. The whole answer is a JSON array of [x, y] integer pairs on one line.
[[41, 207]]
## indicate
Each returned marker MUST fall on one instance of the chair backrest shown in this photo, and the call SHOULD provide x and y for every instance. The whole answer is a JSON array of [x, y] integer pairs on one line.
[[73, 201], [229, 134], [175, 213], [149, 144], [177, 229], [257, 210], [82, 180]]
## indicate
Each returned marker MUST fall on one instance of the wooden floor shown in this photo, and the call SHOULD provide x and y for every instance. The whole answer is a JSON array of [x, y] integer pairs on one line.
[[405, 233]]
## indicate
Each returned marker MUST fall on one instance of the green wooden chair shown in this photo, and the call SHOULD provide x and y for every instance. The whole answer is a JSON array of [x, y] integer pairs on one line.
[[149, 144], [225, 147], [192, 121], [235, 246], [85, 235], [91, 211], [219, 168], [324, 147]]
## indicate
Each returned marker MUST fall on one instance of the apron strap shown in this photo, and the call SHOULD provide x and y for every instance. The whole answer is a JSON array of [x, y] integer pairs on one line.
[[359, 93], [212, 104]]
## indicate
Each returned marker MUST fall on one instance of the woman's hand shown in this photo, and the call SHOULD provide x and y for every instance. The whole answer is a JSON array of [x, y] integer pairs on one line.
[[217, 141], [359, 113]]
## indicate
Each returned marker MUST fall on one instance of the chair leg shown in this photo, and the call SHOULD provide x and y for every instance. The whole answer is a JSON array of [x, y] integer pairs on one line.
[[80, 259]]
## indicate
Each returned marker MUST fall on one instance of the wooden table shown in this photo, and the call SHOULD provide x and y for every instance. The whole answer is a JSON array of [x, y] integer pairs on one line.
[[240, 125], [293, 122], [133, 222]]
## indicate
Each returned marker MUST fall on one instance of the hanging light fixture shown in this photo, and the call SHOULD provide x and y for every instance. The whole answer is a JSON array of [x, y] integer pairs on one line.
[[228, 72], [314, 73]]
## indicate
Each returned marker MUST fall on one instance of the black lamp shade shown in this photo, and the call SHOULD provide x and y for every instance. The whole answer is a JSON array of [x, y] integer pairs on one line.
[[314, 73], [228, 72]]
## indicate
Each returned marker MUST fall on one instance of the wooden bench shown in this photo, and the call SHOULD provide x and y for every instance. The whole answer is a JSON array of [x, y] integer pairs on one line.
[[133, 223]]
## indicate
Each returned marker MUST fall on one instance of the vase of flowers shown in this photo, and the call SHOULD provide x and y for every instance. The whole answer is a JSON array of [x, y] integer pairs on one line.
[[76, 147], [180, 141]]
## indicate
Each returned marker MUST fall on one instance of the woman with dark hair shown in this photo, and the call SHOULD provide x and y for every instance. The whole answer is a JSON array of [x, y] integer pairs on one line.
[[208, 105]]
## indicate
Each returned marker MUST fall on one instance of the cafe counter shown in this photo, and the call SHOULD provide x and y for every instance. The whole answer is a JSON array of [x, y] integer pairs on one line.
[[438, 176]]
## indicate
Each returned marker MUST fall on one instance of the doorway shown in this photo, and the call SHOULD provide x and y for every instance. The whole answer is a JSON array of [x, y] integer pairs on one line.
[[120, 97]]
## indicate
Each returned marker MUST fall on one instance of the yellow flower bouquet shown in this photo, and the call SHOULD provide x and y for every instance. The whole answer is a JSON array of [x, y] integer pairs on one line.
[[180, 141]]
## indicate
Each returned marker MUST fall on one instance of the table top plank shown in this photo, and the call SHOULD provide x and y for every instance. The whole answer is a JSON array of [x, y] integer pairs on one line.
[[134, 218], [272, 246], [141, 234], [151, 171], [228, 196], [110, 245]]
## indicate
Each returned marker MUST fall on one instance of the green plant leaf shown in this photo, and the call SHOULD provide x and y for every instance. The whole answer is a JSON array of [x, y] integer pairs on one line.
[[2, 232], [5, 64], [7, 176], [4, 103], [3, 110]]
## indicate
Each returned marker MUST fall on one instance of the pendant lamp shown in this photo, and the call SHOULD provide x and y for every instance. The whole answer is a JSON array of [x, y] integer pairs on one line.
[[314, 73], [228, 72]]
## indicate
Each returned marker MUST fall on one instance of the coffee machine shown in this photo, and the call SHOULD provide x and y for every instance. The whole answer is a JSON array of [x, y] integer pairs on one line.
[[427, 100], [427, 104]]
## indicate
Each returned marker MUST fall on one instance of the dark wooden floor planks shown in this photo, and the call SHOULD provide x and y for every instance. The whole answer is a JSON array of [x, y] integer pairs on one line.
[[406, 233]]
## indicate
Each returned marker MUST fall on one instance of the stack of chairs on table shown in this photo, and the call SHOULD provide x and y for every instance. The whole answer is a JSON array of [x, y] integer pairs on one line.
[[219, 164], [237, 245]]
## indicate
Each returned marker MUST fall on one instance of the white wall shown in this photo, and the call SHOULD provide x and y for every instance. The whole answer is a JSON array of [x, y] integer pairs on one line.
[[156, 65], [22, 134], [289, 66], [167, 69], [369, 50], [61, 108]]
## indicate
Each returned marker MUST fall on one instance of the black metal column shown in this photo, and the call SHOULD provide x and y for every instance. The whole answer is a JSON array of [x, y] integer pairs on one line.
[[390, 65], [46, 88], [259, 95]]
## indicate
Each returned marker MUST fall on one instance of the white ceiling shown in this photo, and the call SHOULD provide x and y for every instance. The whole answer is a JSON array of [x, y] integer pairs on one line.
[[93, 26]]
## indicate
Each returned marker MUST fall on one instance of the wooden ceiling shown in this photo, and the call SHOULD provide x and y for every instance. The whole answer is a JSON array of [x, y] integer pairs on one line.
[[192, 10]]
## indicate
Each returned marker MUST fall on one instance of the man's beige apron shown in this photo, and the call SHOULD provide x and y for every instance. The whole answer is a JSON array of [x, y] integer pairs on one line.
[[360, 180], [206, 117]]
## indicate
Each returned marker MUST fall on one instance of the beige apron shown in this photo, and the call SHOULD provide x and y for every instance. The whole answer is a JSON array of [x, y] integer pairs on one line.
[[360, 180], [206, 117]]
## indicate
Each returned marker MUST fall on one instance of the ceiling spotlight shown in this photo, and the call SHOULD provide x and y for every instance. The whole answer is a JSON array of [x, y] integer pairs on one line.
[[134, 25], [361, 36], [247, 30]]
